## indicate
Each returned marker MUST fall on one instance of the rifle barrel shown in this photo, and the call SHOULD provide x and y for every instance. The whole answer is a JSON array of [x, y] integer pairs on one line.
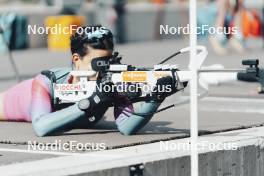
[[221, 70]]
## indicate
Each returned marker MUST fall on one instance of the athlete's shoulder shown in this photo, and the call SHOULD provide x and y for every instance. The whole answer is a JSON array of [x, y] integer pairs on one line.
[[60, 71], [57, 74]]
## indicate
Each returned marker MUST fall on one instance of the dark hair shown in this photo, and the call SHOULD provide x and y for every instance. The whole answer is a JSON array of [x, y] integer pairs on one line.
[[79, 41]]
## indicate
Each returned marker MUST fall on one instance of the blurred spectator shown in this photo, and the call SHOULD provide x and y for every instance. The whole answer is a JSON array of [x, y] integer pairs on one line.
[[111, 14], [227, 16], [119, 7], [106, 14], [232, 13]]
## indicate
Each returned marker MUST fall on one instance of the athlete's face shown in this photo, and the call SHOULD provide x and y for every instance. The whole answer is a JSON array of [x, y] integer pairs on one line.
[[84, 63]]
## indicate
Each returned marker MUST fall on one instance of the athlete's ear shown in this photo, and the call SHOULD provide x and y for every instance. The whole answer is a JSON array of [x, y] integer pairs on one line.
[[75, 57], [76, 60]]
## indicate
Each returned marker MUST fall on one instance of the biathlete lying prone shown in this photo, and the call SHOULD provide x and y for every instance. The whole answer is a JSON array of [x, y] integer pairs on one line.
[[31, 100]]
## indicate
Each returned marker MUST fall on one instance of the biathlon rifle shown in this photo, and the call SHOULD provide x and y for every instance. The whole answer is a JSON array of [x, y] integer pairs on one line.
[[118, 73], [252, 73]]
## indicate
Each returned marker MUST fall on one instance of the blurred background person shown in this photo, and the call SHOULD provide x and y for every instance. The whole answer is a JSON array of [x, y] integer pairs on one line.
[[245, 23], [228, 15]]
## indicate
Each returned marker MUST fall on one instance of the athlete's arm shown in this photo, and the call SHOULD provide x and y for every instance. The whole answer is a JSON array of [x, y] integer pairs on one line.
[[130, 118], [43, 119]]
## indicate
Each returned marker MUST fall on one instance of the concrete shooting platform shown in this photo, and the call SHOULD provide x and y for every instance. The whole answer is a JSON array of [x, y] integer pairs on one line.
[[228, 107]]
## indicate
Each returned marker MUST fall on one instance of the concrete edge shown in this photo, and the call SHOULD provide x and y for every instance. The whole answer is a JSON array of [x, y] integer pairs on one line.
[[117, 158]]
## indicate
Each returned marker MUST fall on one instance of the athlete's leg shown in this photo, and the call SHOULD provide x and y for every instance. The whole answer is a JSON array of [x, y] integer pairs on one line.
[[2, 115], [218, 41], [222, 6]]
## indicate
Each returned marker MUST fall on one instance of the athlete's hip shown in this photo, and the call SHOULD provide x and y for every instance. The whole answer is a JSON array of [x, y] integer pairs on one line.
[[17, 102]]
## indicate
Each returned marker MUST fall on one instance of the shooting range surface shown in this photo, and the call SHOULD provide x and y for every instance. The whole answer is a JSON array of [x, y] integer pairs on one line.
[[228, 107]]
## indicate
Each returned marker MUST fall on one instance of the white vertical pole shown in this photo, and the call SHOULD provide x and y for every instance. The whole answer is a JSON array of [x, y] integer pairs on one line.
[[193, 87]]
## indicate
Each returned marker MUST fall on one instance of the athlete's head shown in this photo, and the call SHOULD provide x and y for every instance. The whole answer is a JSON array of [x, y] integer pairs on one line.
[[89, 43]]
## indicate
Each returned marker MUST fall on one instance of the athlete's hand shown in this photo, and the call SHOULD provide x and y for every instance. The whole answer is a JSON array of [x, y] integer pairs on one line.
[[103, 95], [165, 87]]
